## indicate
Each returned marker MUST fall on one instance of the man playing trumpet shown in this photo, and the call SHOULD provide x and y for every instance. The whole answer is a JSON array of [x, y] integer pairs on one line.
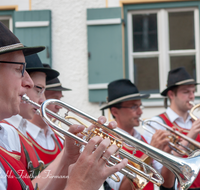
[[180, 91], [45, 141], [124, 102]]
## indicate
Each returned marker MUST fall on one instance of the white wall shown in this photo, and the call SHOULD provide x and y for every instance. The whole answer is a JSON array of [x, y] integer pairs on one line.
[[22, 4], [69, 47], [113, 3], [69, 42]]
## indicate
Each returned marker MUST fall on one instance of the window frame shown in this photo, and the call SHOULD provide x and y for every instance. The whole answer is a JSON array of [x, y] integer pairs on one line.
[[10, 21], [163, 54]]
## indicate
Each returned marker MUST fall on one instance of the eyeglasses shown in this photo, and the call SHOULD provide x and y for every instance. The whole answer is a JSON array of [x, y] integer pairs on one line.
[[134, 107], [40, 90], [11, 62]]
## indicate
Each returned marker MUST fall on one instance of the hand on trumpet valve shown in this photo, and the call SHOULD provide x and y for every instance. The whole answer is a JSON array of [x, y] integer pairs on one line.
[[70, 149], [93, 160], [74, 151], [160, 139], [195, 130], [175, 138]]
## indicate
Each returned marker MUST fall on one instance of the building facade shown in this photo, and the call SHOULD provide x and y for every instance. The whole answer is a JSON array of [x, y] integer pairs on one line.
[[92, 43]]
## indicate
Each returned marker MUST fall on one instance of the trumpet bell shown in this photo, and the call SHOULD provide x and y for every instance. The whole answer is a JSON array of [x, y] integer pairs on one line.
[[190, 173], [195, 107]]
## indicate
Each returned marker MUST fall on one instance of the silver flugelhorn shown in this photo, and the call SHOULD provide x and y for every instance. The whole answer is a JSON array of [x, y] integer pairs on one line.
[[139, 175], [185, 169]]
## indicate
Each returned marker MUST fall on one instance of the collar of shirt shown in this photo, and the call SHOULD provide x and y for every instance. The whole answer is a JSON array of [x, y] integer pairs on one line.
[[34, 130], [173, 116], [19, 123], [4, 138]]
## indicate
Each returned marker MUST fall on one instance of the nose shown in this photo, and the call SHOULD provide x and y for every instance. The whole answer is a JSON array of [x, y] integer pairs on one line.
[[27, 81], [192, 96], [139, 111], [42, 98]]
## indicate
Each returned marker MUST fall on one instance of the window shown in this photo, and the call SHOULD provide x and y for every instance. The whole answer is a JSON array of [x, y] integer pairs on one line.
[[7, 21], [161, 40]]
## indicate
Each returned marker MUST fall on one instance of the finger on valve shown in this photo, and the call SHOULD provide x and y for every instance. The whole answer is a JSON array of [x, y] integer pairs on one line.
[[91, 165], [70, 149]]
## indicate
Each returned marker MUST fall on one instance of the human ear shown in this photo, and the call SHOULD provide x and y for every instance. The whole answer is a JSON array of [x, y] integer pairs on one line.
[[114, 111], [170, 94]]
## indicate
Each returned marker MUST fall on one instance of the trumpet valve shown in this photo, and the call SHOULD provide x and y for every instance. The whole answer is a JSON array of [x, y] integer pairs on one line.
[[174, 139], [100, 133]]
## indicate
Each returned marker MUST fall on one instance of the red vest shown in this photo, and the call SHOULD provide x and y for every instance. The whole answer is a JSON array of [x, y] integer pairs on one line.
[[29, 156], [139, 154], [13, 158], [196, 183], [46, 155]]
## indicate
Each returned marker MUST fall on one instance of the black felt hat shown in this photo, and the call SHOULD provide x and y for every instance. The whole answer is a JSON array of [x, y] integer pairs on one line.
[[54, 84], [9, 43], [177, 77], [122, 90], [34, 64]]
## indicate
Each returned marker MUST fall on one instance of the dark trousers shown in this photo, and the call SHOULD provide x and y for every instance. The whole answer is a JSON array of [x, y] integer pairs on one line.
[[164, 188], [106, 186]]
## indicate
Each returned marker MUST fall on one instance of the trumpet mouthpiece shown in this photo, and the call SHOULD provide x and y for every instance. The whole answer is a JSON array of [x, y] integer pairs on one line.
[[25, 98], [192, 103], [142, 121]]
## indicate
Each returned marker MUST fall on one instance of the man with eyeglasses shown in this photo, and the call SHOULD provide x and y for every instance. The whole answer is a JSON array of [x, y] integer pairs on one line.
[[124, 102], [47, 143], [39, 75], [14, 83]]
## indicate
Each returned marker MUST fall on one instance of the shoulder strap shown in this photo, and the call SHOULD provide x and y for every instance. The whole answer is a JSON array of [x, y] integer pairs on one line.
[[29, 162], [33, 172], [166, 119], [161, 117], [23, 185], [56, 141], [27, 155]]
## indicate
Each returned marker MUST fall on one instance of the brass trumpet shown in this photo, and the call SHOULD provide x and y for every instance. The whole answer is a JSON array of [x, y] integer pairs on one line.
[[174, 138], [186, 170]]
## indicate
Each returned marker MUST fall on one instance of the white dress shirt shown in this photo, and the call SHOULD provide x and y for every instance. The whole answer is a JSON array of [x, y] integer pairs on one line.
[[116, 185], [3, 178], [19, 123], [37, 133], [45, 141], [9, 138]]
